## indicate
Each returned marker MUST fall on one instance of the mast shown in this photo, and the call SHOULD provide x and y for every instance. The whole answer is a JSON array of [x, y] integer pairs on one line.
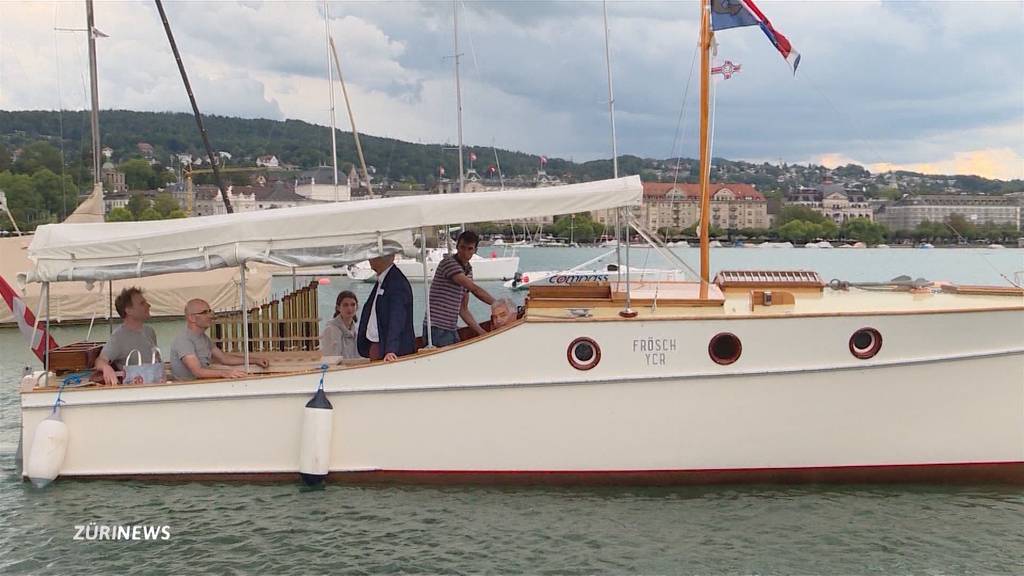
[[458, 92], [611, 115], [351, 118], [330, 89], [706, 39], [627, 311], [195, 109], [94, 88]]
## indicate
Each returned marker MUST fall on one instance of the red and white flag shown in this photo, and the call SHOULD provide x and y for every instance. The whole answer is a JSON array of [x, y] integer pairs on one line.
[[36, 336], [472, 157], [543, 160], [727, 14], [440, 170]]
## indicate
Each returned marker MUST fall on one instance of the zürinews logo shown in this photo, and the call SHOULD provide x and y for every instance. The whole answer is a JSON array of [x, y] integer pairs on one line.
[[93, 531]]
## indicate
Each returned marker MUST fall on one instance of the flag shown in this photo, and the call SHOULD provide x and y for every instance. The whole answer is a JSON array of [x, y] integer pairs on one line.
[[37, 338], [440, 170], [472, 157], [492, 169], [727, 14], [543, 160]]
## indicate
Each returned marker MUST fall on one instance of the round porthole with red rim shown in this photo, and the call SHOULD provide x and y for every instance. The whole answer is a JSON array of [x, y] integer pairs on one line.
[[865, 343], [583, 353], [725, 348]]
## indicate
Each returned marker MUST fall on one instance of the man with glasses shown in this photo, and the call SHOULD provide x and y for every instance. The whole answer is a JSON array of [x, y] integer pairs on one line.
[[193, 350]]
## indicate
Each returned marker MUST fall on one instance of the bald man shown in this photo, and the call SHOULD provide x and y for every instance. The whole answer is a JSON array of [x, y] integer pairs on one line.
[[192, 350]]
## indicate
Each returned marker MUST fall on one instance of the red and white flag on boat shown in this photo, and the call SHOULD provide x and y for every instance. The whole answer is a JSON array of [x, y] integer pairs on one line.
[[727, 14], [472, 157], [36, 336], [440, 170], [543, 160]]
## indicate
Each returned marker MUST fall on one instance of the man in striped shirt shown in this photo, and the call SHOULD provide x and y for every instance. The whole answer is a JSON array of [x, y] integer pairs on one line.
[[449, 293]]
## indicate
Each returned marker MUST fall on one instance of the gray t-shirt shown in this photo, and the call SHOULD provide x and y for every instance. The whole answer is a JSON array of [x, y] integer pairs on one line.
[[188, 342], [123, 340]]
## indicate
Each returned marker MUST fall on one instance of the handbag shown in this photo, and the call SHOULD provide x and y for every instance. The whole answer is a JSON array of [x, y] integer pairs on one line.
[[152, 373]]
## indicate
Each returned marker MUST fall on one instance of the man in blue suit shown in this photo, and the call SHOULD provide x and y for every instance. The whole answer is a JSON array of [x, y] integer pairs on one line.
[[385, 325]]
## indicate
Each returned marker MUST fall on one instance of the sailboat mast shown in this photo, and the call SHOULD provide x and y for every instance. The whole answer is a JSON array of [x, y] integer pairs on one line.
[[458, 91], [351, 118], [330, 89], [611, 115], [94, 88], [706, 40]]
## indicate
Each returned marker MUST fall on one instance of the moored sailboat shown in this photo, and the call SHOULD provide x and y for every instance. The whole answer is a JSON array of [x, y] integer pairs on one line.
[[750, 376]]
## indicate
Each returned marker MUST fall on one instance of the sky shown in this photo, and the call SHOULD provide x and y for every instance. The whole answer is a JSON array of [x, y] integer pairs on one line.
[[931, 86]]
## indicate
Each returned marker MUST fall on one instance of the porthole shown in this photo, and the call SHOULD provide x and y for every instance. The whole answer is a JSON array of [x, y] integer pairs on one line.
[[725, 348], [583, 353], [865, 343]]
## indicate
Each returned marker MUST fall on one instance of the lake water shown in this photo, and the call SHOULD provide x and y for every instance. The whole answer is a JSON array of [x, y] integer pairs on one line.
[[252, 528]]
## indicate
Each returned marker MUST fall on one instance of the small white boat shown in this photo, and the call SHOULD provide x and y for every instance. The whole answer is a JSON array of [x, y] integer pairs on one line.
[[775, 245], [996, 246]]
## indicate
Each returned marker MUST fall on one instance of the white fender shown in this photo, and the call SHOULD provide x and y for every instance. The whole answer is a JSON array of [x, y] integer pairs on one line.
[[317, 427], [38, 379], [49, 445]]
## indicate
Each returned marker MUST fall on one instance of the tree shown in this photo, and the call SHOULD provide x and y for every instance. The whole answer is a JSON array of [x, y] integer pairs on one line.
[[26, 206], [164, 204], [119, 214], [150, 214], [864, 230], [36, 156], [137, 204], [138, 174], [179, 213], [5, 158], [59, 196], [797, 212]]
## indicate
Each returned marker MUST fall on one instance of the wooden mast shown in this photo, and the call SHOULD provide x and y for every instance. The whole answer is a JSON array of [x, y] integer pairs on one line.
[[706, 40]]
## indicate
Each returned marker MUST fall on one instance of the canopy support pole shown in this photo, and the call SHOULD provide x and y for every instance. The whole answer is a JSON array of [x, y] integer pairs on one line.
[[46, 358], [110, 306], [245, 318], [426, 286], [628, 311]]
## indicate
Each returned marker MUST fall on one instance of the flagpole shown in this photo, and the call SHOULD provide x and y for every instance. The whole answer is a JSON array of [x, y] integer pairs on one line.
[[706, 40]]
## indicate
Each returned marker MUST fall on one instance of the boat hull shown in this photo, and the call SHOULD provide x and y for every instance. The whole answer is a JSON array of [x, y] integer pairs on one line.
[[798, 409]]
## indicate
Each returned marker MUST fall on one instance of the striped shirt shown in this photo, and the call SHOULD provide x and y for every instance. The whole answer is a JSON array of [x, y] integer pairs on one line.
[[445, 295]]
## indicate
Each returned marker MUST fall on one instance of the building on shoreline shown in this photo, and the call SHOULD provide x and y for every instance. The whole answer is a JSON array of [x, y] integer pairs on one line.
[[908, 212], [833, 201], [734, 206]]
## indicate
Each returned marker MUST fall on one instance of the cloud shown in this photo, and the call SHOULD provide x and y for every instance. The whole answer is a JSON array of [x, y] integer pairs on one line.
[[905, 83]]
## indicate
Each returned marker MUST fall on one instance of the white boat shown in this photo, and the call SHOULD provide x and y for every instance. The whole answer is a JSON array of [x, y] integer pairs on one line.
[[697, 383], [757, 376], [610, 273]]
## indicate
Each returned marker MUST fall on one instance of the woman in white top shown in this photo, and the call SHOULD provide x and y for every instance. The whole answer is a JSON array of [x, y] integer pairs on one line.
[[339, 335]]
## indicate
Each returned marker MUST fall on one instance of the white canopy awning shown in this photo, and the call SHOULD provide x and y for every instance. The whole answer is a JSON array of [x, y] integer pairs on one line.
[[337, 233]]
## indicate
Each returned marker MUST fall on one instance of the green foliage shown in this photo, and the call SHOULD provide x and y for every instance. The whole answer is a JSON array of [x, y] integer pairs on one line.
[[928, 230], [864, 230], [119, 214], [802, 231], [36, 156], [138, 174], [150, 214], [5, 158], [803, 213], [137, 204], [580, 228], [179, 213], [164, 204]]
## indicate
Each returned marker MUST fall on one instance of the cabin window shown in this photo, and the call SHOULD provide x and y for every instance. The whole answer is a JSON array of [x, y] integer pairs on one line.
[[583, 353], [865, 343], [725, 348]]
